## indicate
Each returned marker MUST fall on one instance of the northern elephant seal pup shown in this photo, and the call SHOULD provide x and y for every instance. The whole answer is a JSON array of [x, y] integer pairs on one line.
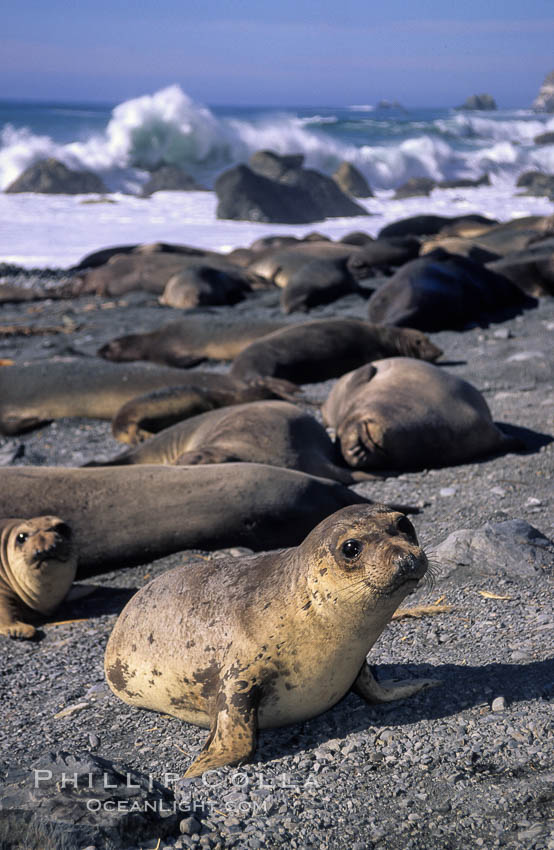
[[188, 341], [274, 432], [131, 514], [238, 645], [327, 348], [37, 567], [400, 413]]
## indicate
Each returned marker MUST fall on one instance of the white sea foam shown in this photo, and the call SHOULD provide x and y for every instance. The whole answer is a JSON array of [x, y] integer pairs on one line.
[[511, 129], [169, 127], [58, 230]]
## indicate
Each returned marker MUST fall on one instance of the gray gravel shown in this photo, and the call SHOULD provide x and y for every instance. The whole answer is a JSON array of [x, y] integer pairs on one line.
[[467, 764]]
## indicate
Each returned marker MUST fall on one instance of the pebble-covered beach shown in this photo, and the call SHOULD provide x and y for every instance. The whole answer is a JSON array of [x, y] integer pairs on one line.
[[465, 764]]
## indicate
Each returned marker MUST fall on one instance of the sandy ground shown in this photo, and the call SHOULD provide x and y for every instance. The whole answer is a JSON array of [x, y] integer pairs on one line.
[[446, 770]]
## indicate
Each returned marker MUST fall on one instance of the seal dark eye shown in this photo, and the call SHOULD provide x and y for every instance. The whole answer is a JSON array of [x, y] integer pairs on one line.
[[351, 549], [21, 538]]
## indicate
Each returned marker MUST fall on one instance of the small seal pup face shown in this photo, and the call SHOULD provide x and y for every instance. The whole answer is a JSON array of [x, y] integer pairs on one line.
[[39, 561], [416, 344], [372, 556]]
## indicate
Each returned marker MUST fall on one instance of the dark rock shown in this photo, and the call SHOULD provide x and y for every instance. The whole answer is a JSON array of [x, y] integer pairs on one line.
[[54, 178], [465, 183], [190, 826], [389, 104], [351, 181], [66, 801], [246, 195], [479, 101], [415, 186], [544, 139], [544, 102], [512, 547], [537, 183], [169, 178], [273, 165]]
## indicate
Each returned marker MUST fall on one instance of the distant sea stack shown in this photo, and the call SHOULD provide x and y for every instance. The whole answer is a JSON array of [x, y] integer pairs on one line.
[[485, 102], [544, 102]]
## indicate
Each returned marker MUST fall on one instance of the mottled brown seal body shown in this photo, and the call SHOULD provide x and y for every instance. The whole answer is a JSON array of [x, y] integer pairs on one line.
[[131, 514], [241, 644], [400, 413], [327, 348], [37, 566]]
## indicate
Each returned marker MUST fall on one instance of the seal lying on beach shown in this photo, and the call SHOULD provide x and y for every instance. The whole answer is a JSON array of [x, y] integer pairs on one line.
[[327, 348], [202, 284], [148, 268], [442, 291], [37, 567], [144, 415], [317, 282], [39, 392], [400, 413], [242, 644], [131, 514], [274, 432], [188, 341]]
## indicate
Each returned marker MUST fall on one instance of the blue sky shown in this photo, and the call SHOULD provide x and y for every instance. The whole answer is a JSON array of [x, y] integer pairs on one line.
[[424, 53]]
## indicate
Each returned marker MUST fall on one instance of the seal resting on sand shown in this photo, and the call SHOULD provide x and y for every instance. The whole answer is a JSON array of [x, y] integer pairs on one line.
[[274, 432], [242, 644], [400, 413], [127, 515], [327, 348]]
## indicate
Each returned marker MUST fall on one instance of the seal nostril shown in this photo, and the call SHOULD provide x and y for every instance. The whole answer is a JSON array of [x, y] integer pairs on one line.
[[408, 564]]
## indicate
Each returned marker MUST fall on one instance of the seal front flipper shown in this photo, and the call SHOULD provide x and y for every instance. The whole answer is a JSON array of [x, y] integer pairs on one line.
[[373, 692], [233, 734], [10, 625]]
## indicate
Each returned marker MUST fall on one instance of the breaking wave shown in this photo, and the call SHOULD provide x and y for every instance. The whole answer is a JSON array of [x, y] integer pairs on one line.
[[168, 127]]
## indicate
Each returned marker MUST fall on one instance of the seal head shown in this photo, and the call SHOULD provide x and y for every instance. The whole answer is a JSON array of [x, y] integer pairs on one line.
[[37, 568]]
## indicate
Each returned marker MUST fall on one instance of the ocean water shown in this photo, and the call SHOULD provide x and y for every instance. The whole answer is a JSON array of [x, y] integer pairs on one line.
[[121, 142]]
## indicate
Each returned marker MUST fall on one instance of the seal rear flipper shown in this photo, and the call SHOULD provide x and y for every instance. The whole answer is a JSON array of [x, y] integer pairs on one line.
[[233, 735], [374, 692]]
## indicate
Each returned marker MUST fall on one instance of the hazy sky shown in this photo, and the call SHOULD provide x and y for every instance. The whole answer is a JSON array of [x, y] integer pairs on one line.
[[289, 52]]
